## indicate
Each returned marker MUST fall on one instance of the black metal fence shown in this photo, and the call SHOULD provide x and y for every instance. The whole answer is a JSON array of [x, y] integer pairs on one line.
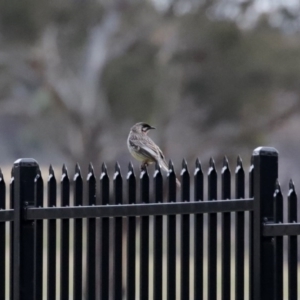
[[107, 249]]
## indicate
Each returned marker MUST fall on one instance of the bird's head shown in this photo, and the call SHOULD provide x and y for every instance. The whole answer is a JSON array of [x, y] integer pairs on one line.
[[141, 128]]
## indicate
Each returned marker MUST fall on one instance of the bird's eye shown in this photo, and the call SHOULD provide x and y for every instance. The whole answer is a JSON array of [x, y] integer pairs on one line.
[[144, 129]]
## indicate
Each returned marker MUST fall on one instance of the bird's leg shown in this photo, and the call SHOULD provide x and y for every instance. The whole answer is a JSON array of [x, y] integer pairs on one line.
[[144, 165]]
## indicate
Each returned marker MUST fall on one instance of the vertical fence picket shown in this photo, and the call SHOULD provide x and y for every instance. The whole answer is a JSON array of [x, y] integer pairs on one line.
[[212, 233], [38, 239], [2, 239], [11, 268], [158, 236], [51, 262], [131, 240], [144, 254], [265, 176], [171, 237], [185, 235], [77, 271], [25, 171], [118, 244], [226, 236], [64, 237], [239, 232], [104, 244], [91, 237], [278, 244], [251, 195], [292, 245], [198, 237]]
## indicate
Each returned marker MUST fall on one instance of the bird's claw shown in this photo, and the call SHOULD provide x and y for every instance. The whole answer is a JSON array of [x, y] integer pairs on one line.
[[143, 166]]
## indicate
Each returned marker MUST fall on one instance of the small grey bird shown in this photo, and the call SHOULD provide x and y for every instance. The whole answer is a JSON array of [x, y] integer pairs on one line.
[[143, 148]]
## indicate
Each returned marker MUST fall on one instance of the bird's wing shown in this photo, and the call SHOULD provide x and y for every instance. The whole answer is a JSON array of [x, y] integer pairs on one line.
[[150, 147], [147, 148], [162, 160]]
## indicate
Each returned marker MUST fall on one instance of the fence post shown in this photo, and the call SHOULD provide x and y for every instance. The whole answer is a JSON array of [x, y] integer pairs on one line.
[[265, 175], [23, 250]]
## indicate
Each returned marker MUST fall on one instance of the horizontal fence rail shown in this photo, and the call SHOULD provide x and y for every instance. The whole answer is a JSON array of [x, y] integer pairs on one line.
[[282, 229], [6, 215], [130, 210], [125, 239]]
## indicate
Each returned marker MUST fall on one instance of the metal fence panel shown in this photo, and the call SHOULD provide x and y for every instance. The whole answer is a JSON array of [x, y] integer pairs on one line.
[[104, 263]]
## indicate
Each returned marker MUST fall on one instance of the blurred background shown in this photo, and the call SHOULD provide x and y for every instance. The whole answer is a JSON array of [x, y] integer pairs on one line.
[[215, 77]]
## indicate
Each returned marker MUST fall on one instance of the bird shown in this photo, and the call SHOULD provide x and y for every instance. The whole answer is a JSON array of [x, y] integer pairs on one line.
[[143, 149]]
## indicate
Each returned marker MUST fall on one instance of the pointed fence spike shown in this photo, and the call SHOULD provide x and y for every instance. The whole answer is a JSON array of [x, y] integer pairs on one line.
[[277, 185], [239, 162], [77, 175], [184, 169], [198, 167], [104, 168], [157, 172], [211, 163], [225, 162], [239, 165], [130, 167], [171, 166], [91, 168], [291, 186], [130, 170], [104, 173], [51, 171], [91, 173], [117, 171], [64, 169], [198, 164], [117, 167], [77, 169], [144, 172]]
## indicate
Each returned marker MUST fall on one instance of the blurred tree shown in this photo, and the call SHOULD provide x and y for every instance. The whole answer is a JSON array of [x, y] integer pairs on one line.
[[78, 75]]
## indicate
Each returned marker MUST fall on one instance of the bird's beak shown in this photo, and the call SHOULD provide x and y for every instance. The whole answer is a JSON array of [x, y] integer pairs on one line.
[[152, 127]]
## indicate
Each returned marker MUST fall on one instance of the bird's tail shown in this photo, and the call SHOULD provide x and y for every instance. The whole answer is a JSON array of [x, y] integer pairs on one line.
[[163, 165]]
